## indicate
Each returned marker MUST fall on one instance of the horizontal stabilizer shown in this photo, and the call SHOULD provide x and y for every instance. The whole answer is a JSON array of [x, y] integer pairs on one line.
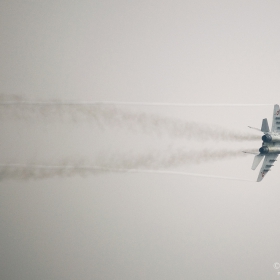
[[265, 127], [266, 165], [257, 160]]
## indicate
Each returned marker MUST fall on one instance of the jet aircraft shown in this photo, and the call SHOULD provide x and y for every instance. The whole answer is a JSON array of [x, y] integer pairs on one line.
[[270, 146]]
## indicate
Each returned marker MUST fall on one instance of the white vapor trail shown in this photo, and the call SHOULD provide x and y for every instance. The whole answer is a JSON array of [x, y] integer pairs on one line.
[[170, 172], [47, 103], [76, 170], [185, 173]]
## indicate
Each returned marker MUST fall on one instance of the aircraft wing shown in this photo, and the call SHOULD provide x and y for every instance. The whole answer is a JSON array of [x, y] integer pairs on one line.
[[276, 119], [267, 164]]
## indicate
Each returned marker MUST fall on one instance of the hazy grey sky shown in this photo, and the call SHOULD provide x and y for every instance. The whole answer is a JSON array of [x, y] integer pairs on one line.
[[138, 225]]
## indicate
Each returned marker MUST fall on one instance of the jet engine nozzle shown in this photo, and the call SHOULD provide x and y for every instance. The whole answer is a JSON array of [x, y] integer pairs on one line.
[[267, 138], [264, 150]]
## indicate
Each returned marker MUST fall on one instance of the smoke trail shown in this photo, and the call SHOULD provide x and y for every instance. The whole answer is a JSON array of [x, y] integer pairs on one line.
[[33, 171], [152, 160], [169, 159], [112, 116], [17, 171], [176, 173]]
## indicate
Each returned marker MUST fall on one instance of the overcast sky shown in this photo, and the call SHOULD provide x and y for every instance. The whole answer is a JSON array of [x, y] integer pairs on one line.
[[119, 225]]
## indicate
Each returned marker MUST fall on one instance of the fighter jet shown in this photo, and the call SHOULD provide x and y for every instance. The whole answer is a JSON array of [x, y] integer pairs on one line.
[[271, 144]]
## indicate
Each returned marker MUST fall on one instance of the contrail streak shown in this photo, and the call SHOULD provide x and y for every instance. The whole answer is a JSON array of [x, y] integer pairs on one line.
[[97, 103], [177, 173], [25, 171], [13, 99]]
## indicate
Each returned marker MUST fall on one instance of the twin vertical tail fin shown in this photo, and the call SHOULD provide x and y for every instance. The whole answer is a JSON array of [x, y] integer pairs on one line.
[[275, 119], [265, 126]]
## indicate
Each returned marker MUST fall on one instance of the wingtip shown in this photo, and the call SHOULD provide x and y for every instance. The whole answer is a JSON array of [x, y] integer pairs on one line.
[[251, 152], [251, 127]]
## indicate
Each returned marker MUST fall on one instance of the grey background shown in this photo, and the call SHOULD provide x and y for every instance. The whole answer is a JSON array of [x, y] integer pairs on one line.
[[137, 226]]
